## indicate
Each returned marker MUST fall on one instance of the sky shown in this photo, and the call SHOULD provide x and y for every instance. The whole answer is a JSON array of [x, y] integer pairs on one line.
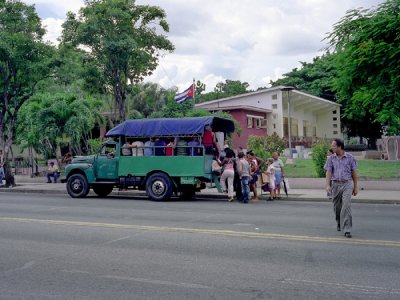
[[253, 41]]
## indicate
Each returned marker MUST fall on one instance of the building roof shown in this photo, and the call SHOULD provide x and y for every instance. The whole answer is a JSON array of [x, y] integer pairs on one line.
[[242, 107], [263, 91]]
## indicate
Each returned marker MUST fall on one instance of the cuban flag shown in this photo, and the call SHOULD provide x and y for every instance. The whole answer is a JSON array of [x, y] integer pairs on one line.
[[187, 94]]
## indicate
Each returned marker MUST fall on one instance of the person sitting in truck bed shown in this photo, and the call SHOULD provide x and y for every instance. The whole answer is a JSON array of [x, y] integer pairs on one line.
[[160, 147], [137, 148], [194, 144], [126, 148], [149, 150], [181, 147]]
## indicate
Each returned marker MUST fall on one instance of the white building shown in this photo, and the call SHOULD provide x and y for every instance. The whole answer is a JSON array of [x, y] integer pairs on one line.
[[311, 117]]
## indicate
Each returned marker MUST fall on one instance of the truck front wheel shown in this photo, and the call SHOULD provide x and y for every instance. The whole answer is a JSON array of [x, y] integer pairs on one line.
[[159, 187], [77, 186], [103, 190]]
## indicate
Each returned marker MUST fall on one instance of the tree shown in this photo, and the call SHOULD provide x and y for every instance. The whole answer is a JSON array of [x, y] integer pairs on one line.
[[200, 87], [146, 99], [123, 42], [25, 60], [52, 119], [367, 46], [315, 78], [264, 146], [318, 78], [224, 89]]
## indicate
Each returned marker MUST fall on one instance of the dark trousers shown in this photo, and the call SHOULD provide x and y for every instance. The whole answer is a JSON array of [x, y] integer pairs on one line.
[[54, 175]]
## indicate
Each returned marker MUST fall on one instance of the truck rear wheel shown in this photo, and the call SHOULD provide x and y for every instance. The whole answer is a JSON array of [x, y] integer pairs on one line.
[[77, 186], [103, 190], [159, 187]]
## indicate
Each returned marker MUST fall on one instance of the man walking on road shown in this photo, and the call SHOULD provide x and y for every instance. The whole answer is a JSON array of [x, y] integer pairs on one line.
[[341, 169]]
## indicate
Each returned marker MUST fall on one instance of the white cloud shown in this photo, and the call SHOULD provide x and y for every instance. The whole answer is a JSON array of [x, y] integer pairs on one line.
[[252, 41], [53, 28]]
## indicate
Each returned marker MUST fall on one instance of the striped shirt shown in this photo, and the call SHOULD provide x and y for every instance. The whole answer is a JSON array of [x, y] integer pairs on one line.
[[341, 168]]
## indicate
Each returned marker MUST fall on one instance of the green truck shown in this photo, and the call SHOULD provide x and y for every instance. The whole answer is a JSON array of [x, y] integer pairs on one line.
[[160, 176]]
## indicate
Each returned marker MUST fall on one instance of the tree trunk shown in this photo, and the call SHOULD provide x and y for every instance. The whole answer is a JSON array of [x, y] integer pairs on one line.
[[9, 177], [31, 160]]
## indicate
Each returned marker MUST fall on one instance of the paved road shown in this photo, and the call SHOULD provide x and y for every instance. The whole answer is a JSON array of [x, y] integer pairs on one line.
[[55, 247]]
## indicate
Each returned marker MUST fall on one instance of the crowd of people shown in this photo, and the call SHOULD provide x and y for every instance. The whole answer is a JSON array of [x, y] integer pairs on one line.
[[238, 174]]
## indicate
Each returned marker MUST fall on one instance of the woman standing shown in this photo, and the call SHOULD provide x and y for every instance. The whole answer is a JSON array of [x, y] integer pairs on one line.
[[229, 173], [279, 173]]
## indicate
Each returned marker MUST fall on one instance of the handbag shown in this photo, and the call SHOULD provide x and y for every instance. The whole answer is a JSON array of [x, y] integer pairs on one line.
[[264, 178]]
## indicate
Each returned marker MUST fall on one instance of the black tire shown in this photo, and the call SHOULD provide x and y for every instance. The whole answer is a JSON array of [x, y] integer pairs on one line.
[[77, 186], [103, 190], [187, 193], [159, 187]]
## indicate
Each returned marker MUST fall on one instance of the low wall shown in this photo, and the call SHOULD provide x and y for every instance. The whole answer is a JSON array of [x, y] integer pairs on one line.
[[372, 154]]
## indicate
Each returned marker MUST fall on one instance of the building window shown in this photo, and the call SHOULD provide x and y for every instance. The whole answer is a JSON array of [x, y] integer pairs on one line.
[[334, 112], [274, 96], [308, 128], [274, 116], [335, 132], [258, 123], [274, 106], [261, 123], [274, 126], [334, 125], [249, 122], [293, 125], [334, 119]]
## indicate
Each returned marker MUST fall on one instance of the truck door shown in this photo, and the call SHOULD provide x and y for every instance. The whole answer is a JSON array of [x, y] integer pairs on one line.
[[107, 162]]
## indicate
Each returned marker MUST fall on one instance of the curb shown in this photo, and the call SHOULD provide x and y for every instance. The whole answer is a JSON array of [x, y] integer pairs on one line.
[[141, 194]]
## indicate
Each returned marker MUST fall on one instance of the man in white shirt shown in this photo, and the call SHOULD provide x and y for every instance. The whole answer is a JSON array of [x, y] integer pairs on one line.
[[52, 171]]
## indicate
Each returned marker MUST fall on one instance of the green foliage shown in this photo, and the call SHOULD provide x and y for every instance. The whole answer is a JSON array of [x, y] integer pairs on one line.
[[124, 41], [94, 146], [315, 78], [264, 146], [51, 120], [367, 50], [222, 90], [319, 153], [25, 60], [147, 99], [199, 88]]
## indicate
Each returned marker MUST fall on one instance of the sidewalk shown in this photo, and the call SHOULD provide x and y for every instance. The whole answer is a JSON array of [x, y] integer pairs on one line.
[[302, 189]]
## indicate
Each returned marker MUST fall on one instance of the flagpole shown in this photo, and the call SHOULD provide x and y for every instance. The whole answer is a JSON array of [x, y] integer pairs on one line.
[[194, 92]]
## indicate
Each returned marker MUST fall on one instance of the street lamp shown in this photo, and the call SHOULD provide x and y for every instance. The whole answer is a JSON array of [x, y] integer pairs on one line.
[[288, 89]]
